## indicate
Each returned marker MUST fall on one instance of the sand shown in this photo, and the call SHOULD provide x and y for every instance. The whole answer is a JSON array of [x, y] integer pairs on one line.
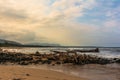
[[24, 73]]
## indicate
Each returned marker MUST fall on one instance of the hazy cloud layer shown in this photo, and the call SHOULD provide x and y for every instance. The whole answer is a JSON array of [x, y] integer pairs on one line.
[[73, 22]]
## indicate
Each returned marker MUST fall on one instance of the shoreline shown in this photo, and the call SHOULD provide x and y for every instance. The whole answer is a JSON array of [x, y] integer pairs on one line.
[[23, 73], [58, 66]]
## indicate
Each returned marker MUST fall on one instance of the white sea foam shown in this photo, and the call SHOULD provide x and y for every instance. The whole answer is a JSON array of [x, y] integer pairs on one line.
[[104, 52]]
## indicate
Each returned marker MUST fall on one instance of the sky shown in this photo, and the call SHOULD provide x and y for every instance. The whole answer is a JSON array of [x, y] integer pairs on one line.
[[65, 22]]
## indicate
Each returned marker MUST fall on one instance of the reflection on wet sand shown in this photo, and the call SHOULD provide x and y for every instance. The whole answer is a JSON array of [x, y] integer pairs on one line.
[[90, 71]]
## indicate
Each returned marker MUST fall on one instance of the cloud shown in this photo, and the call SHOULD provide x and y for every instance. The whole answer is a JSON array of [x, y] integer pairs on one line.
[[13, 16], [40, 9], [72, 8], [40, 20], [112, 23], [58, 21]]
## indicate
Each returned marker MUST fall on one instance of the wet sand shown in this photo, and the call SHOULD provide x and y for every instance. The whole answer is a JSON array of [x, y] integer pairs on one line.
[[88, 72], [60, 72], [24, 73]]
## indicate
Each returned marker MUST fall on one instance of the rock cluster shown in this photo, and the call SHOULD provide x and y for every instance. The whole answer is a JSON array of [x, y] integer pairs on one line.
[[56, 58]]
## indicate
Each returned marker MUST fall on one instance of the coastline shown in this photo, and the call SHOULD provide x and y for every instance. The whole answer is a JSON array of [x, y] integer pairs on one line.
[[14, 72], [57, 66]]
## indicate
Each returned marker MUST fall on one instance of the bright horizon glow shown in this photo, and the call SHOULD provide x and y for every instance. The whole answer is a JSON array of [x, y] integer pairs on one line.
[[66, 22]]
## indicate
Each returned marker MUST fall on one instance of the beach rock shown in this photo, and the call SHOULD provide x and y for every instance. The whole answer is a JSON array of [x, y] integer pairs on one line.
[[17, 79], [118, 61], [78, 59], [1, 50], [24, 63], [27, 74], [58, 62], [37, 54]]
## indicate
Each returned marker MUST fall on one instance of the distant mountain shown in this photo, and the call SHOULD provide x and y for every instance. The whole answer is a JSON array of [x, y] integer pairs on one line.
[[9, 43], [6, 43]]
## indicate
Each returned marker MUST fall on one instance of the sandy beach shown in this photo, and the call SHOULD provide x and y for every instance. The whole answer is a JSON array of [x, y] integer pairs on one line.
[[57, 66], [23, 73]]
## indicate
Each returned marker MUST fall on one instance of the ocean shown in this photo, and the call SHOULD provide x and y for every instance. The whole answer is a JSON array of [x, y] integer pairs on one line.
[[104, 52]]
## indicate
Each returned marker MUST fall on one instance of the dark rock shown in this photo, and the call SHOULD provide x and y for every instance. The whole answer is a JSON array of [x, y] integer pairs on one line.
[[27, 74], [17, 79], [118, 61]]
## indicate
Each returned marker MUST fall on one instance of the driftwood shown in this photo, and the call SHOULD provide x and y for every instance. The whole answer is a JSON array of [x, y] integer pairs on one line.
[[74, 51], [92, 50]]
